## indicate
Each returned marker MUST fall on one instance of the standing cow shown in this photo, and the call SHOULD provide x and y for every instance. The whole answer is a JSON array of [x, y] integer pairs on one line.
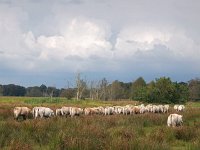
[[166, 108], [21, 111], [75, 111], [58, 112], [43, 112], [181, 108], [176, 107], [109, 110], [65, 111], [174, 120]]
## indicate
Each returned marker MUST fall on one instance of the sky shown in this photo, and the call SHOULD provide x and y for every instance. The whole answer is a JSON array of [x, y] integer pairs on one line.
[[50, 41]]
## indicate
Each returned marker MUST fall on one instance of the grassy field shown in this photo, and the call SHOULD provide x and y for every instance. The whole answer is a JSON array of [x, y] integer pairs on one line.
[[142, 131]]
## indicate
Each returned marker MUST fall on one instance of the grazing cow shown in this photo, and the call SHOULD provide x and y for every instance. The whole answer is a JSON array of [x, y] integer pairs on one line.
[[58, 112], [174, 120], [155, 109], [87, 111], [126, 110], [35, 111], [100, 109], [149, 108], [160, 108], [135, 110], [181, 108], [91, 111], [65, 111], [44, 112], [118, 110], [75, 111], [166, 108], [109, 111], [176, 107], [142, 109], [21, 111]]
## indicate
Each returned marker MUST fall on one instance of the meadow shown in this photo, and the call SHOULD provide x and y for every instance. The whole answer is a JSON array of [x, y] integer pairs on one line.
[[139, 132]]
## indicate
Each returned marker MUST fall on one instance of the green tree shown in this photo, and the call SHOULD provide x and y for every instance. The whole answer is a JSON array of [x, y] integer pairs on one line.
[[139, 89], [13, 90], [165, 91], [69, 93], [43, 89], [33, 91], [194, 89], [182, 92], [1, 90], [116, 90]]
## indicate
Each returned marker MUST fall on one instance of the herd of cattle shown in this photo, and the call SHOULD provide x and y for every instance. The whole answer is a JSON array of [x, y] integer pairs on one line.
[[41, 112]]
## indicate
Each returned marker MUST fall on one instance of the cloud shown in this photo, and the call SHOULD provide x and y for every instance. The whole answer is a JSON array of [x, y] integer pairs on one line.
[[81, 39], [133, 39], [99, 36]]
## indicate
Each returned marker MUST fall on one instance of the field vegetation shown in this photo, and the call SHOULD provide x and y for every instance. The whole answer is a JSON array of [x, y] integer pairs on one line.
[[142, 131]]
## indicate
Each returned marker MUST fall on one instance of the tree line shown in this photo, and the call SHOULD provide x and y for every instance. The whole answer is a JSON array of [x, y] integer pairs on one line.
[[160, 90]]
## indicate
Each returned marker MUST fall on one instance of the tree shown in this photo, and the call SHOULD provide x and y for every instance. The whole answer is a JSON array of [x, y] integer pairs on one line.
[[127, 90], [140, 93], [52, 91], [1, 90], [194, 89], [80, 86], [43, 89], [139, 89], [116, 90], [13, 90], [103, 89], [69, 93], [34, 91], [96, 88], [182, 92], [165, 91]]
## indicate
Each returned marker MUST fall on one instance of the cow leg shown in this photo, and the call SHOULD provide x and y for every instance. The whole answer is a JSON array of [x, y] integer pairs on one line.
[[24, 117]]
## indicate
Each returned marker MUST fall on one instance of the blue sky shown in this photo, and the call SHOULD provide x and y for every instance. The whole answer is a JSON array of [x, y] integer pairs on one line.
[[50, 41]]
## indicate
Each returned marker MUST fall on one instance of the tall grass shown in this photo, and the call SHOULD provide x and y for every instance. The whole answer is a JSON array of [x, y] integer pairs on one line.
[[142, 131]]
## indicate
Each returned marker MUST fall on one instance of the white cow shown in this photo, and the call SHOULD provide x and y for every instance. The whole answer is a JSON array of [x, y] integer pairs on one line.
[[65, 111], [35, 111], [21, 111], [181, 108], [166, 108], [155, 109], [44, 112], [116, 109], [91, 111], [75, 111], [160, 108], [174, 120], [176, 107], [58, 112], [109, 111], [149, 108], [119, 110], [100, 110], [142, 109], [135, 110]]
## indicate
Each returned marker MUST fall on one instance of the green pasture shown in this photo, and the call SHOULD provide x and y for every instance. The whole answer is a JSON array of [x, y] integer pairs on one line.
[[72, 102], [138, 132], [57, 101]]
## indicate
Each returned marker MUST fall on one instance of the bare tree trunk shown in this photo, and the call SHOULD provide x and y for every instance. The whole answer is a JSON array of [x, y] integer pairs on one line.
[[80, 85], [77, 95]]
